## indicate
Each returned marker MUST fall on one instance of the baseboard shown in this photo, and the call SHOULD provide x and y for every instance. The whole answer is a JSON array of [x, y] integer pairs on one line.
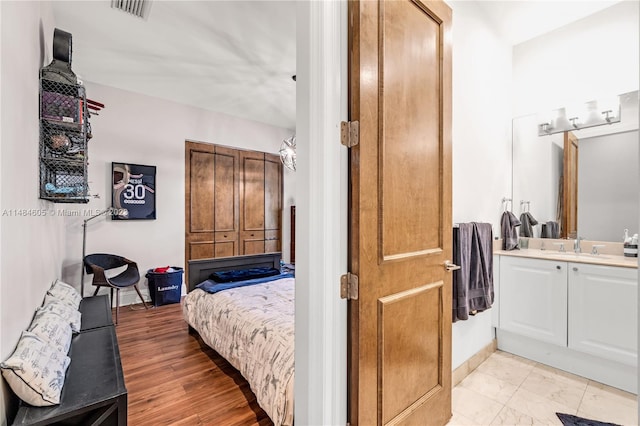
[[472, 363], [129, 296]]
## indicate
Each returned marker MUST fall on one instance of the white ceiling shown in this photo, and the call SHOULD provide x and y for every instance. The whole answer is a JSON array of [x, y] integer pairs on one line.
[[518, 21], [236, 57]]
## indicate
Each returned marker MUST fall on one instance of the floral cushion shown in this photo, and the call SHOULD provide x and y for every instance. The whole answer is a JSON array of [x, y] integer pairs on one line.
[[36, 371], [53, 329], [65, 293], [55, 305]]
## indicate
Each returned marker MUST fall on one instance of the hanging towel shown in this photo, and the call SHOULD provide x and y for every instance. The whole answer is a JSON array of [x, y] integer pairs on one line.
[[461, 255], [473, 282], [528, 222], [508, 225], [550, 229]]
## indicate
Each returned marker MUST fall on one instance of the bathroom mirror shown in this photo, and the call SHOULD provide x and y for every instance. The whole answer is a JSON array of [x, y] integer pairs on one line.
[[607, 189]]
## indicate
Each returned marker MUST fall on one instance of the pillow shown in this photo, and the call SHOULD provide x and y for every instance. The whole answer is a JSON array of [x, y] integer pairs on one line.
[[53, 329], [35, 371], [65, 293], [242, 274], [60, 308]]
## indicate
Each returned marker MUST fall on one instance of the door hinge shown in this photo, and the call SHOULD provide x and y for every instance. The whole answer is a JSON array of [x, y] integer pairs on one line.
[[349, 286], [349, 133]]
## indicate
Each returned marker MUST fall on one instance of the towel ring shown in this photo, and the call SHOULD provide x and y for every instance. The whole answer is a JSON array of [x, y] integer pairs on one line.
[[505, 203]]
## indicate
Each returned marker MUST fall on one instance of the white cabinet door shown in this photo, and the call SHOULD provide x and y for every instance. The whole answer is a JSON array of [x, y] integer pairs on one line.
[[495, 312], [603, 311], [533, 298]]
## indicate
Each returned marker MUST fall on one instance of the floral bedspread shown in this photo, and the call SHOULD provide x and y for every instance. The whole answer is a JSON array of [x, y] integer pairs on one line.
[[253, 328]]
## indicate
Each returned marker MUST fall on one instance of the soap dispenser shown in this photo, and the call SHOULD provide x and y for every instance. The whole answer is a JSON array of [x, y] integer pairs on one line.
[[631, 245]]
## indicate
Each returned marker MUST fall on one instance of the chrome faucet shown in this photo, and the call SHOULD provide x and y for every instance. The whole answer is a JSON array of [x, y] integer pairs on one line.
[[576, 245]]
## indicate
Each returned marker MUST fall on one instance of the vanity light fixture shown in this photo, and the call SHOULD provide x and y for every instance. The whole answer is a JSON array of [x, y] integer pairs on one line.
[[547, 122], [606, 115], [575, 117], [609, 108], [573, 121], [546, 128], [575, 114]]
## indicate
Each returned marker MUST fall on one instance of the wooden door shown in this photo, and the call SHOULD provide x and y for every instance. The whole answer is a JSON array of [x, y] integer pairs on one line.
[[272, 203], [292, 246], [400, 224], [211, 201], [570, 187], [252, 192], [226, 201]]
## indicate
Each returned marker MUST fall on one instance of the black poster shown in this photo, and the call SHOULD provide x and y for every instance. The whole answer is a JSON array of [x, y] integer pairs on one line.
[[134, 191]]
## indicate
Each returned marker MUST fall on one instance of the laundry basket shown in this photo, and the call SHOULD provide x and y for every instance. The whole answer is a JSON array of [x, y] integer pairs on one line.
[[165, 287]]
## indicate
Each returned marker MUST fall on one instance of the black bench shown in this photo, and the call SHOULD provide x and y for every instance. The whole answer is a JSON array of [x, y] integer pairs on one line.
[[94, 392]]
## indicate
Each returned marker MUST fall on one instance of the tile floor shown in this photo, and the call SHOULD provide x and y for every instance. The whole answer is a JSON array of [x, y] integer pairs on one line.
[[509, 390]]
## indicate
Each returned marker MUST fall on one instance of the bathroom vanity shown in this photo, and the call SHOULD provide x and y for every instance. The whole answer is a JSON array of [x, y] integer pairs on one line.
[[573, 311]]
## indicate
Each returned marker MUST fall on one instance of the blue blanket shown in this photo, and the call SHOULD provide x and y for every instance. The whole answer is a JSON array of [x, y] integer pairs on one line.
[[211, 286], [243, 274]]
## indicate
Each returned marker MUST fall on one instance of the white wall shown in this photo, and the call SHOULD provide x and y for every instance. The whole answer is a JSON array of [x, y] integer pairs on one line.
[[135, 128], [591, 58], [32, 246], [321, 231], [481, 142]]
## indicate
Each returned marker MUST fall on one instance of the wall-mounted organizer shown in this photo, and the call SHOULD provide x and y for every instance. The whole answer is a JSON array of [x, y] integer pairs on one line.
[[63, 128]]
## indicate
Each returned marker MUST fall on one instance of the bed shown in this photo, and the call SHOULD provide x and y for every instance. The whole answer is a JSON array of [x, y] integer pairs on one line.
[[251, 326]]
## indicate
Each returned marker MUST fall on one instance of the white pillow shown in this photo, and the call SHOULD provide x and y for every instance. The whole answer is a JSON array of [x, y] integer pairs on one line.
[[53, 329], [36, 371], [65, 293], [53, 304]]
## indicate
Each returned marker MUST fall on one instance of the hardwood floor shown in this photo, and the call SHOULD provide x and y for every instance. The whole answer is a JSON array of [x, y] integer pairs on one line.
[[173, 378]]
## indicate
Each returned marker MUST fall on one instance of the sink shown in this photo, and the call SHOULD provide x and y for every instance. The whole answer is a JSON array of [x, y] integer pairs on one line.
[[571, 255]]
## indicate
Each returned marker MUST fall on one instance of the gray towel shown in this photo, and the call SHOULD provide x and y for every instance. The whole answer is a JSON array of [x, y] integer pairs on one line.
[[473, 282], [528, 222], [462, 237], [508, 225], [550, 229]]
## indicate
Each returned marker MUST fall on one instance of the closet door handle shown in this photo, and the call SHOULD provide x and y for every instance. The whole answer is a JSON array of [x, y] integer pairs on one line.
[[575, 269], [448, 266], [558, 267]]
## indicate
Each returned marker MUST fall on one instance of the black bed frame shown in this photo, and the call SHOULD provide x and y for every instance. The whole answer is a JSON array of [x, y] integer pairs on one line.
[[199, 270]]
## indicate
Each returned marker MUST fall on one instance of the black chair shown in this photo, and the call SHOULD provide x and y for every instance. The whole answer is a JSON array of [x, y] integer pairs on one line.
[[98, 263]]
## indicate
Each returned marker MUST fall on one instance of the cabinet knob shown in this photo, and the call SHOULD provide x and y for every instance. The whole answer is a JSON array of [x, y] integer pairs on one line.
[[575, 269], [558, 267]]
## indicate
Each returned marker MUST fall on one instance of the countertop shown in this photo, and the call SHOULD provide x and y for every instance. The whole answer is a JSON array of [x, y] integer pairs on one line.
[[569, 256]]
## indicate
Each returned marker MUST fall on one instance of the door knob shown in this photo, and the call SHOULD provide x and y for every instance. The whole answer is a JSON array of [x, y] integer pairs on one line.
[[450, 266]]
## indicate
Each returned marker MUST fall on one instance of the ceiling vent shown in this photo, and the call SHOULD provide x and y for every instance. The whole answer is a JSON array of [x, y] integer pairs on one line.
[[138, 8]]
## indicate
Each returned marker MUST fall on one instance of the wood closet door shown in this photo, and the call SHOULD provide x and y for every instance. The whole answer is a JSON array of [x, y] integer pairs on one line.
[[272, 203], [211, 205], [400, 232], [252, 193]]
